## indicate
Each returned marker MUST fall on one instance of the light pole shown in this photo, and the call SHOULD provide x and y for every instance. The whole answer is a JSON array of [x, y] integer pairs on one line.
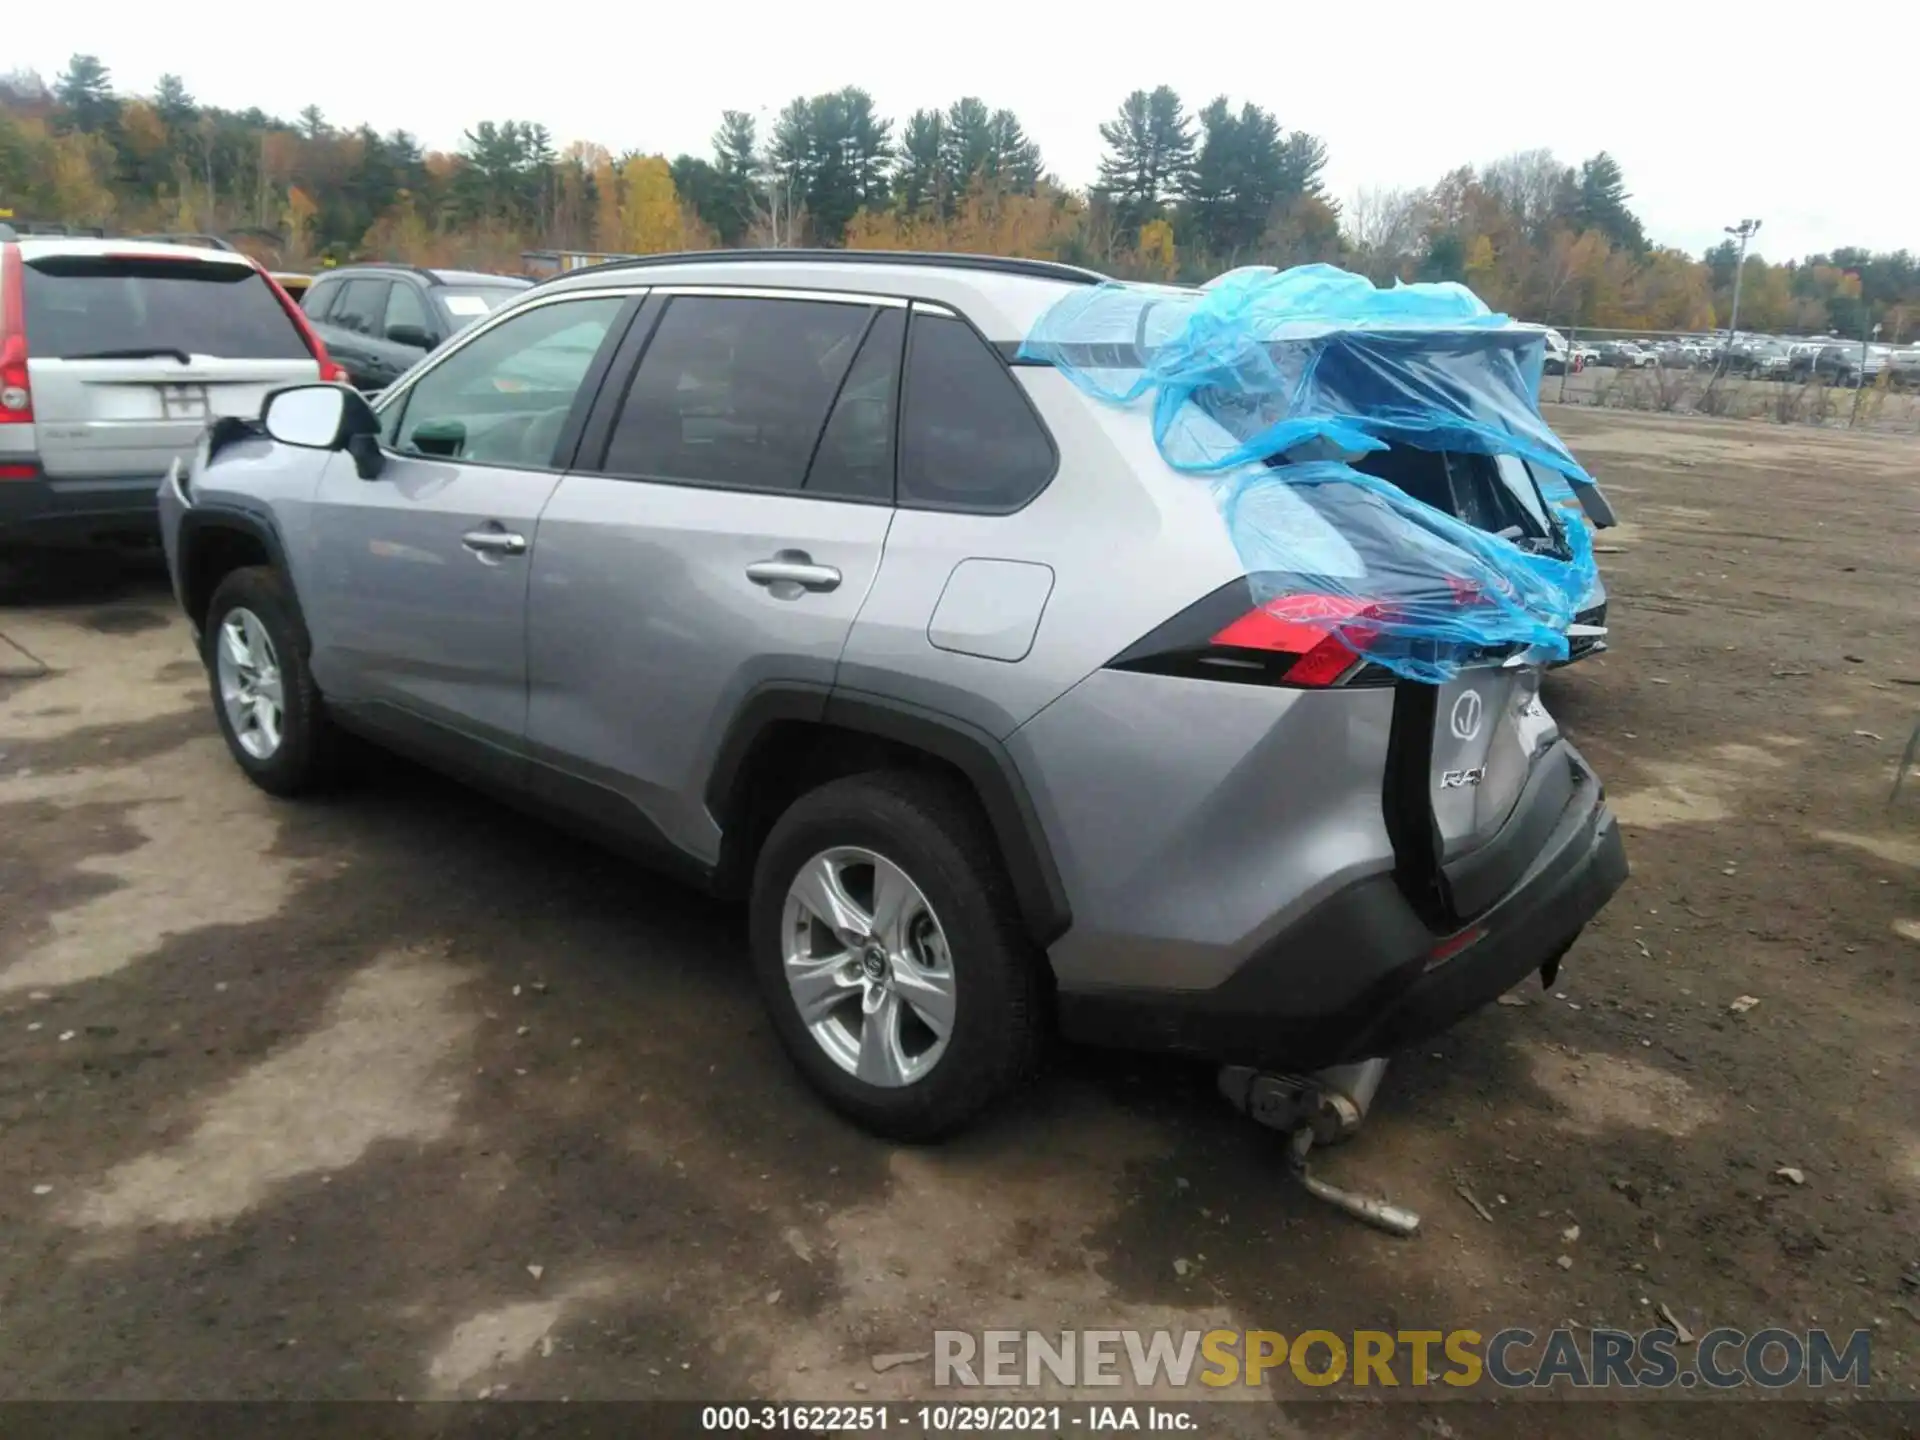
[[1746, 230], [1860, 387]]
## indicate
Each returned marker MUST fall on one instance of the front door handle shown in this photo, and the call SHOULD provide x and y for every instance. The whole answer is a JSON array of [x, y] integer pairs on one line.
[[494, 542], [792, 571]]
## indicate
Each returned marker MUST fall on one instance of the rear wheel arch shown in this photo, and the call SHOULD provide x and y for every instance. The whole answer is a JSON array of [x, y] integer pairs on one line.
[[789, 739]]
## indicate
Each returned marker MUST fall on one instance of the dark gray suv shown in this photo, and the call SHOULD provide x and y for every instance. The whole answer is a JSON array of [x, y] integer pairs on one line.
[[379, 320]]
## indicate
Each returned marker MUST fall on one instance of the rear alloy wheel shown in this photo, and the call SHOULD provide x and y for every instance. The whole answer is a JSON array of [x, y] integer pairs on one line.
[[867, 966], [890, 953]]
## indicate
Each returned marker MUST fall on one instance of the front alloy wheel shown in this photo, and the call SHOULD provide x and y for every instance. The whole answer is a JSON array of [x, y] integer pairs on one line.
[[868, 966], [264, 697], [251, 690]]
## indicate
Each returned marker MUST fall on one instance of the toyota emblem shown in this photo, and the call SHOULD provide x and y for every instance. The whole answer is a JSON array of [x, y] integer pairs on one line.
[[1466, 715]]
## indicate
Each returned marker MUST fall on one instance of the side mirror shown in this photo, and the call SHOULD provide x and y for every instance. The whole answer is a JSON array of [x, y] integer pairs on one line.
[[325, 417], [411, 335], [310, 416]]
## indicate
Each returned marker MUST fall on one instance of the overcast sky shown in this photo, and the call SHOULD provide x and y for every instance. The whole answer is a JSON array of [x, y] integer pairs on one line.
[[1714, 110]]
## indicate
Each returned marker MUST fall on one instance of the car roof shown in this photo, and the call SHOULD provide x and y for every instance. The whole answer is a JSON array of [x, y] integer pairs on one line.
[[34, 247], [367, 269], [1003, 297], [479, 277]]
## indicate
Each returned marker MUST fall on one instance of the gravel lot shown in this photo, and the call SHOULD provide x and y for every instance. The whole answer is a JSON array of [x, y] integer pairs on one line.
[[400, 1094]]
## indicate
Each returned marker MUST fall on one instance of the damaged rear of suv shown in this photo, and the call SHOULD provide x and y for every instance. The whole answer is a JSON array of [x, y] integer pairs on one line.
[[1377, 826], [1019, 647]]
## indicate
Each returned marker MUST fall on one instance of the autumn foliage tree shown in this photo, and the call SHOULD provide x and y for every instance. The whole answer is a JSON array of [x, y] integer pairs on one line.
[[653, 220], [990, 220]]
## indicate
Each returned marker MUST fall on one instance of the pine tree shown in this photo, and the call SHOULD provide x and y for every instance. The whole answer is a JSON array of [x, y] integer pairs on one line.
[[735, 146], [1016, 159], [1244, 174], [834, 152], [1601, 204], [966, 146], [919, 180], [85, 93], [736, 163], [172, 102], [1302, 158], [1151, 148], [700, 185]]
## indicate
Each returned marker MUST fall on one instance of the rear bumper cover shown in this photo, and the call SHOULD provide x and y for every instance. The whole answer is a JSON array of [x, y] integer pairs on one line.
[[96, 510], [1257, 1017]]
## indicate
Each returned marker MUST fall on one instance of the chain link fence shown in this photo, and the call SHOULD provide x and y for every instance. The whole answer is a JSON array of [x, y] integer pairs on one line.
[[1788, 380]]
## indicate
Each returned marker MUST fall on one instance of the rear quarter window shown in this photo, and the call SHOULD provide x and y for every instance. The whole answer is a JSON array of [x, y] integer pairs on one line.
[[83, 305], [968, 438]]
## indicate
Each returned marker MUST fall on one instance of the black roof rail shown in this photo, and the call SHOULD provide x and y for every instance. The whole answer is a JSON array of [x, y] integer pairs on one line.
[[931, 259], [422, 271]]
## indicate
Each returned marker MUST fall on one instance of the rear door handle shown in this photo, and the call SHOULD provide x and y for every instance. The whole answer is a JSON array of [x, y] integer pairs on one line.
[[494, 542], [792, 571]]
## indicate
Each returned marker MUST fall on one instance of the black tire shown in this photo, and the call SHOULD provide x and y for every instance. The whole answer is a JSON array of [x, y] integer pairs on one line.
[[933, 830], [308, 754]]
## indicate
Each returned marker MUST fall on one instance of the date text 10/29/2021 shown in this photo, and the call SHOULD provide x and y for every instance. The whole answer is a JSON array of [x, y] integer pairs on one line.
[[962, 1418]]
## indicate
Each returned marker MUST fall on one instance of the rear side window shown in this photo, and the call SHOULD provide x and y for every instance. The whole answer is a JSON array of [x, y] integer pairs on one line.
[[968, 438], [80, 306], [361, 306], [734, 392], [854, 460]]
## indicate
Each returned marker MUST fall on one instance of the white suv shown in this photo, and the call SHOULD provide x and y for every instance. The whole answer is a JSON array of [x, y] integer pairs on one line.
[[114, 355]]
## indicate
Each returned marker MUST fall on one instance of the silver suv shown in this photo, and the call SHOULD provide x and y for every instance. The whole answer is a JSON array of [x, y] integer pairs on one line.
[[777, 568]]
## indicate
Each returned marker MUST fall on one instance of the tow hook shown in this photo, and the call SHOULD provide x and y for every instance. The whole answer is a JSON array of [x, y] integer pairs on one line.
[[1322, 1108]]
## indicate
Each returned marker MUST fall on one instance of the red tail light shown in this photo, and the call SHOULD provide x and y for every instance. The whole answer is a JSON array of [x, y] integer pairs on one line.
[[328, 370], [16, 394], [1304, 640], [1318, 630]]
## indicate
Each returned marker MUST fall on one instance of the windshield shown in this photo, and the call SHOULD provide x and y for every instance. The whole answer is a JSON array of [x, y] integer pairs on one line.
[[99, 305], [464, 304]]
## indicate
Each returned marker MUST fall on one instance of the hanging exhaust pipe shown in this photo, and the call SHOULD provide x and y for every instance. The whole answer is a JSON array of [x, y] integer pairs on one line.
[[1323, 1108]]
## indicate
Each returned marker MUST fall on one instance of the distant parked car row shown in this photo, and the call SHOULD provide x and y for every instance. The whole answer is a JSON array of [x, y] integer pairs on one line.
[[1761, 357], [1624, 355]]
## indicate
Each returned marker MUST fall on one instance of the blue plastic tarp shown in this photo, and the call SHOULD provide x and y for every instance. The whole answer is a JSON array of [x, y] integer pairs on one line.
[[1267, 382]]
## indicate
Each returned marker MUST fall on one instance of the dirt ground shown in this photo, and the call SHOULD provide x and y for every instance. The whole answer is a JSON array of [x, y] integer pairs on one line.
[[400, 1094]]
